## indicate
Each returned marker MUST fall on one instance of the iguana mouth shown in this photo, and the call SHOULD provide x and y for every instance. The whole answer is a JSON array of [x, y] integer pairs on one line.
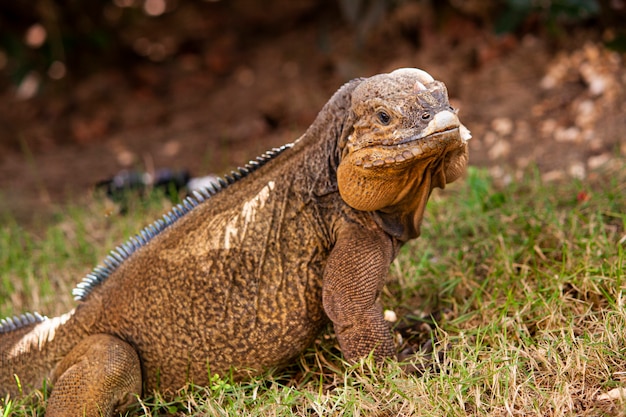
[[408, 149], [413, 139], [442, 132]]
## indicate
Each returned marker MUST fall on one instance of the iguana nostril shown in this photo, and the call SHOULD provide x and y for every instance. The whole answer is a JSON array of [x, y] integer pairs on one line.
[[425, 116]]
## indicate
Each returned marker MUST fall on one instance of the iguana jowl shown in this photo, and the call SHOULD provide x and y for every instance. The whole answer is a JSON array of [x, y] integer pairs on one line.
[[242, 277]]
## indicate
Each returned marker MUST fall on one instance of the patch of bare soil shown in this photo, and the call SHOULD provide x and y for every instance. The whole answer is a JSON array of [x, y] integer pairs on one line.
[[528, 100]]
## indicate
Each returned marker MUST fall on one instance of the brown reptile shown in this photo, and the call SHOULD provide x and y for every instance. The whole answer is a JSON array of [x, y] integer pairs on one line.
[[243, 276]]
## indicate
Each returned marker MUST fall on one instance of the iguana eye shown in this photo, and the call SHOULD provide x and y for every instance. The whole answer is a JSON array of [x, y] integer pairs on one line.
[[425, 116], [383, 117]]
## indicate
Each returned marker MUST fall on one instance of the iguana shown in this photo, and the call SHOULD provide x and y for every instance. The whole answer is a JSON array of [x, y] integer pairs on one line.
[[243, 276]]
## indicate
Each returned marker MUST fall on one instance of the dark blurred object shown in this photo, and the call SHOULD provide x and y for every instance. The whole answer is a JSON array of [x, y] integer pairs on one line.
[[128, 185], [124, 183]]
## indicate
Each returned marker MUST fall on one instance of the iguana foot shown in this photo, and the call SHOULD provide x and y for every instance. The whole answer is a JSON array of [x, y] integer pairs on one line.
[[100, 375]]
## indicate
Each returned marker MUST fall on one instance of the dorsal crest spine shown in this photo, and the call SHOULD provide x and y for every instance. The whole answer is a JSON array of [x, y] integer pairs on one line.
[[10, 324], [126, 249]]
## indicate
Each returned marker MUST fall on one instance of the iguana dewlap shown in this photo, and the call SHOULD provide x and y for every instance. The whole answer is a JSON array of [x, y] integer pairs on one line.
[[243, 277]]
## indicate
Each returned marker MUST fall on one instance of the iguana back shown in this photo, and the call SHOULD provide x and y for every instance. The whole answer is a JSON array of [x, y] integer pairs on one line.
[[236, 283]]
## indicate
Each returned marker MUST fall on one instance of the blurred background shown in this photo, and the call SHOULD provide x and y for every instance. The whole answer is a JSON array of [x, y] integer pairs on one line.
[[88, 89]]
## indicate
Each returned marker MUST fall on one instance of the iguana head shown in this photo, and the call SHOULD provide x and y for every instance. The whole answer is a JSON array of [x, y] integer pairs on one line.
[[402, 129]]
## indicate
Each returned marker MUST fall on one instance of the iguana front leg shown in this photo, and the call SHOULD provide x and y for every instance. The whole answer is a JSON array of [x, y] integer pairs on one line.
[[353, 278], [100, 375]]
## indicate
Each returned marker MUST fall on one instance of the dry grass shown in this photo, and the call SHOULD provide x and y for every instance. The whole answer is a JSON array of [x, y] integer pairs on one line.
[[525, 283]]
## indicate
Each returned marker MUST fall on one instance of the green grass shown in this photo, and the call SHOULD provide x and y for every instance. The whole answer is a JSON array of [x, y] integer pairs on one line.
[[525, 282]]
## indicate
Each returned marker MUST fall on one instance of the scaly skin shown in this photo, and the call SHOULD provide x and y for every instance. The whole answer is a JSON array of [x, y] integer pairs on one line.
[[246, 279]]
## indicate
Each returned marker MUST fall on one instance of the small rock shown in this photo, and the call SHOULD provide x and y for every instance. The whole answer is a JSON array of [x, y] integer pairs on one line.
[[500, 149], [502, 125], [548, 82], [614, 394], [490, 138], [577, 170], [586, 114], [390, 316], [598, 160], [124, 156], [596, 82], [556, 73], [552, 176], [548, 127], [570, 134]]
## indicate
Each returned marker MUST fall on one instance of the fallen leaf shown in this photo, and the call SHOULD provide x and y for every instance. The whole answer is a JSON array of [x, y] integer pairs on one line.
[[583, 196]]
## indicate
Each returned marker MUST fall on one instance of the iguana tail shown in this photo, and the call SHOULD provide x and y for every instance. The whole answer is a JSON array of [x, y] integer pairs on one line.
[[30, 347]]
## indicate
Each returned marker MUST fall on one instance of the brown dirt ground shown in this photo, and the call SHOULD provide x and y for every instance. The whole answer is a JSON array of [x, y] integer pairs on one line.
[[557, 103]]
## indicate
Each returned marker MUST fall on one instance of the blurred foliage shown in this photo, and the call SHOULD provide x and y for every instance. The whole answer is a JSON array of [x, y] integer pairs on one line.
[[80, 35], [55, 39], [551, 13]]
